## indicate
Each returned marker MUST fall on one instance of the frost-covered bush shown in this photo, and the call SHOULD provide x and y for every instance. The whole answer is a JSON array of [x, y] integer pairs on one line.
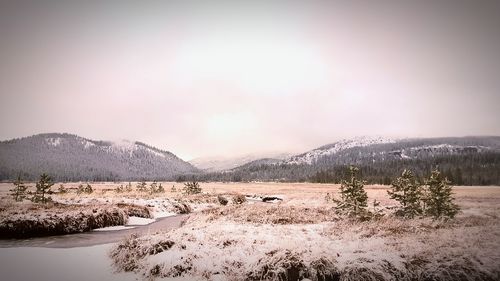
[[62, 189], [85, 189]]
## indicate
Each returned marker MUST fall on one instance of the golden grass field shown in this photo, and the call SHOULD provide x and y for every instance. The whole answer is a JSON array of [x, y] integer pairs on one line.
[[301, 237]]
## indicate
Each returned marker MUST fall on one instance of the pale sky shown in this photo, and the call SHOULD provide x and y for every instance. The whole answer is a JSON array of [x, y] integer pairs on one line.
[[226, 78]]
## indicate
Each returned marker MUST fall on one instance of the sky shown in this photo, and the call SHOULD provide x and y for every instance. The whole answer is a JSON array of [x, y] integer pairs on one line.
[[227, 78]]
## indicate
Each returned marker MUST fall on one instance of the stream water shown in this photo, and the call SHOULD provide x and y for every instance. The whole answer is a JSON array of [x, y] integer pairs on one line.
[[93, 238]]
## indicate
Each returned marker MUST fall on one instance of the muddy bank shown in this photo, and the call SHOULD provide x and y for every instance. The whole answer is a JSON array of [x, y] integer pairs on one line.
[[57, 219]]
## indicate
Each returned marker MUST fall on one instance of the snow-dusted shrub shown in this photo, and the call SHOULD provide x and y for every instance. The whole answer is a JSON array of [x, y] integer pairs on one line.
[[279, 265], [62, 189], [84, 189], [222, 200], [239, 199], [135, 210], [182, 208]]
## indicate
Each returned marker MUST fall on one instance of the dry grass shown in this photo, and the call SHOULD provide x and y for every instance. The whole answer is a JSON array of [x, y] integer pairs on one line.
[[272, 214], [303, 239]]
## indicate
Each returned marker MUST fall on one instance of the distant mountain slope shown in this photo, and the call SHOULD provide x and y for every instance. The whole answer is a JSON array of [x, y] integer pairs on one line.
[[215, 164], [465, 160], [70, 157]]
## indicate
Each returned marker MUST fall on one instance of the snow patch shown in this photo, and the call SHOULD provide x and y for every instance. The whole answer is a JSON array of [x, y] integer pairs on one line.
[[53, 141], [113, 228], [139, 221], [313, 155]]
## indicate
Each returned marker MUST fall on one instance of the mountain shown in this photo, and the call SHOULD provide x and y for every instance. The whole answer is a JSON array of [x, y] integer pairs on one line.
[[464, 160], [215, 164], [69, 157]]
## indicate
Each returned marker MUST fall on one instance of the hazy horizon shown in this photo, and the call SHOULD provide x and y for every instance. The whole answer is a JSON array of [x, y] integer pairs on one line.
[[230, 79]]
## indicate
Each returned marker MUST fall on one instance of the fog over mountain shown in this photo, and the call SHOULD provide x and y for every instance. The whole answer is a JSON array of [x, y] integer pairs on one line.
[[214, 164]]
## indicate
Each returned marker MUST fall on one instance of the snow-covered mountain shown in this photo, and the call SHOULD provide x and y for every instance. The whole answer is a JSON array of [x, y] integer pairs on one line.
[[70, 157], [471, 160], [312, 156]]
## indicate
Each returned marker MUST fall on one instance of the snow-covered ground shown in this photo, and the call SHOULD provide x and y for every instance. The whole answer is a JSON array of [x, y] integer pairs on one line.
[[47, 264]]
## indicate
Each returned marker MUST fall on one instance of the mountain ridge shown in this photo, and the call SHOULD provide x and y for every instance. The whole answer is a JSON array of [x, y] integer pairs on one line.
[[71, 157]]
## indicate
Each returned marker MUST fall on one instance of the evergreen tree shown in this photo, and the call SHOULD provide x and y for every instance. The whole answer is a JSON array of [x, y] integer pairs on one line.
[[439, 199], [19, 191], [160, 189], [88, 189], [141, 186], [42, 188], [192, 188], [353, 198], [153, 187], [408, 192], [128, 187]]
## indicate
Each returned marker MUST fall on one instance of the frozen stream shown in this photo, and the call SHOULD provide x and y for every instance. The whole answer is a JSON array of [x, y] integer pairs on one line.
[[93, 238], [75, 257]]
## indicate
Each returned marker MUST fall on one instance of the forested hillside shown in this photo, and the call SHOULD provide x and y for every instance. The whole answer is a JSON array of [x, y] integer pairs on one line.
[[70, 158], [465, 161]]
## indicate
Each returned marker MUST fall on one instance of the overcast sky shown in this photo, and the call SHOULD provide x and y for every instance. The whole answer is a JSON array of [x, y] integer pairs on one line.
[[230, 79]]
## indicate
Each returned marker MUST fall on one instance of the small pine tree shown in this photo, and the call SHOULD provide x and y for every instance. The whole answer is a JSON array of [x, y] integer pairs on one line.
[[119, 189], [42, 188], [88, 189], [141, 186], [19, 190], [160, 189], [173, 189], [408, 192], [128, 187], [192, 188], [353, 198], [439, 200], [153, 187], [81, 189]]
